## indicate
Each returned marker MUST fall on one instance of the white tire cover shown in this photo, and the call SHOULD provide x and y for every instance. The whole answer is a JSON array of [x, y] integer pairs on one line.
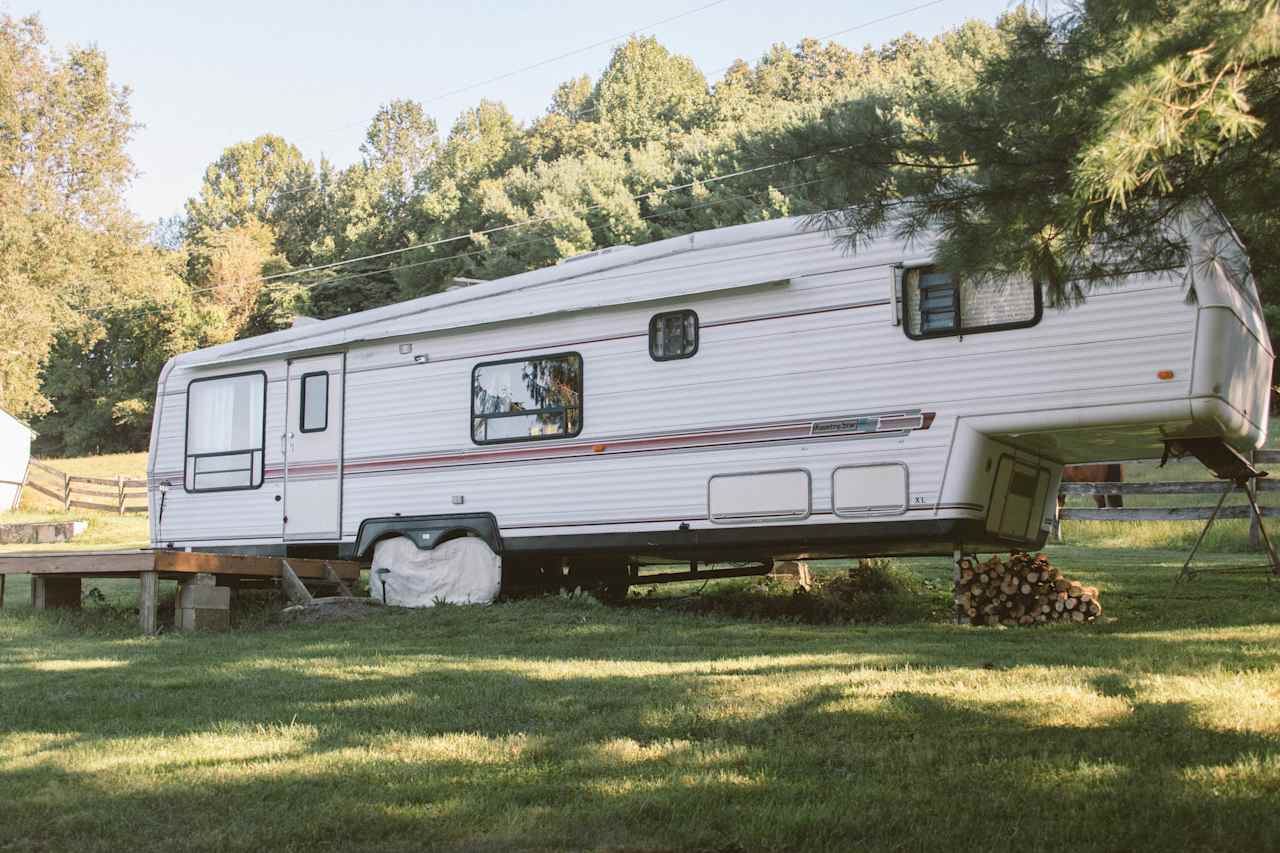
[[460, 571]]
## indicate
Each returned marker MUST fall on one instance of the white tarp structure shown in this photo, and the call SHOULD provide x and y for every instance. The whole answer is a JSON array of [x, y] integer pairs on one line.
[[460, 571], [15, 451]]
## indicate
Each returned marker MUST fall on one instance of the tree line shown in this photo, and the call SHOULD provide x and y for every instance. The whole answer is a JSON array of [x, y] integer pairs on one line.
[[1061, 150]]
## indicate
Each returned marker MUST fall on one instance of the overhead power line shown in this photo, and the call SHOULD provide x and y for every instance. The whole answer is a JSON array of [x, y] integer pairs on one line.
[[497, 229], [486, 250]]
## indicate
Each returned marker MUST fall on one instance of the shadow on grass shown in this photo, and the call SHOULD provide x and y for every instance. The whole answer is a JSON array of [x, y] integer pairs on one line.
[[495, 759]]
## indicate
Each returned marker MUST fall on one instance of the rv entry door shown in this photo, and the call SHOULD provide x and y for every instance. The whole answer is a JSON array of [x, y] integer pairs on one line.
[[313, 449]]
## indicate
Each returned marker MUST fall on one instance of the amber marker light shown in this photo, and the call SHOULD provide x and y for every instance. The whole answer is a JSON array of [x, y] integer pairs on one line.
[[598, 448], [1165, 374]]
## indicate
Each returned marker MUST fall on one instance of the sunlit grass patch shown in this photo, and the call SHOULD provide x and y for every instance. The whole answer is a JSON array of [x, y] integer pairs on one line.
[[560, 724]]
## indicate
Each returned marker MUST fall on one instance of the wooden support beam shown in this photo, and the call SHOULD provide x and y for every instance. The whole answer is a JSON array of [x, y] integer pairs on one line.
[[293, 586], [147, 596], [1187, 513], [250, 566], [89, 563], [329, 573]]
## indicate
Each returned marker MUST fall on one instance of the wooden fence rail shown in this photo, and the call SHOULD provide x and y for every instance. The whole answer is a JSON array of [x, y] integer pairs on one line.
[[1214, 488], [70, 490]]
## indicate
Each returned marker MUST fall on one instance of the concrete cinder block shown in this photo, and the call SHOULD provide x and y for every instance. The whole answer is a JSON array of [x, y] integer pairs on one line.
[[48, 591], [204, 597], [202, 619]]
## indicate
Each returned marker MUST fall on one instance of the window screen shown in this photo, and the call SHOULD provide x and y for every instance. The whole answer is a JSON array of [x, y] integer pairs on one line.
[[526, 399], [941, 303], [673, 335], [314, 412], [225, 432]]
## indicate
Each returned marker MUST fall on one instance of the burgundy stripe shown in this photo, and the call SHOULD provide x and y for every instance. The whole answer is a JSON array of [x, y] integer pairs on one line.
[[577, 449]]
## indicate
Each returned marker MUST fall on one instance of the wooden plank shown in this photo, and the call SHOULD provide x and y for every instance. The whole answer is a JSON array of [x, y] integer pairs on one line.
[[1187, 487], [134, 484], [1189, 513], [96, 493], [147, 601], [1266, 456], [293, 587], [250, 566], [48, 469], [92, 505], [343, 590], [94, 481], [17, 495], [104, 563], [45, 490]]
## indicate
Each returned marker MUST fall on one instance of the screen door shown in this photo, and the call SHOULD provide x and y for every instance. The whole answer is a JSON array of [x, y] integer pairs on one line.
[[313, 449]]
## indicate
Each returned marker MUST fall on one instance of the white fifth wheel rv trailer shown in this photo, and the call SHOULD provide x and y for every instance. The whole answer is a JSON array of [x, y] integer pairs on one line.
[[747, 393]]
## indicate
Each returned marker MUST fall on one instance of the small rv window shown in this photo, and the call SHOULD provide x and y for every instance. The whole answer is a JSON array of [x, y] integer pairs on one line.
[[673, 335], [939, 303], [314, 410], [526, 399], [226, 432]]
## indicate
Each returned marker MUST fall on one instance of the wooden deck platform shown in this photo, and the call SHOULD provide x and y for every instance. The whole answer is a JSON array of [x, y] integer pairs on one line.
[[56, 575]]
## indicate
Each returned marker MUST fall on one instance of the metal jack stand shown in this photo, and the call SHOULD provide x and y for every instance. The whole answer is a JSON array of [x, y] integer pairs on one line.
[[1239, 482]]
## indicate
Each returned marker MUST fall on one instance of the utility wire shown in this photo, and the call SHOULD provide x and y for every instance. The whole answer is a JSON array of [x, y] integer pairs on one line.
[[484, 251], [471, 235]]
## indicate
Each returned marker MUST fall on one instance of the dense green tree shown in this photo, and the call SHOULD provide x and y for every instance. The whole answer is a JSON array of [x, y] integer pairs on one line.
[[102, 370], [648, 94], [63, 167], [1066, 151]]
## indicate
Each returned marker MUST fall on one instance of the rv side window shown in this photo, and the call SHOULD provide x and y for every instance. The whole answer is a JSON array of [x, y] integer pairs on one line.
[[314, 411], [226, 432], [673, 335], [527, 399], [939, 303]]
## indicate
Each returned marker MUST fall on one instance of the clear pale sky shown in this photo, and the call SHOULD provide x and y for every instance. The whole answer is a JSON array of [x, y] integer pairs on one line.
[[206, 75]]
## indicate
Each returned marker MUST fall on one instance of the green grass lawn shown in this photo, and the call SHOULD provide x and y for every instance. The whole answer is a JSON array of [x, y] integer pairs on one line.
[[561, 724]]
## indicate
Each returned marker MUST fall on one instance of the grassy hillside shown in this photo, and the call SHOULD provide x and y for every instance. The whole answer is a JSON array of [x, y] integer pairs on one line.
[[106, 529], [561, 724]]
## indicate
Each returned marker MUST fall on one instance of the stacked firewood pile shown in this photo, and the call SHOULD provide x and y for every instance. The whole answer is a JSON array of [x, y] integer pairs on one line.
[[1022, 590]]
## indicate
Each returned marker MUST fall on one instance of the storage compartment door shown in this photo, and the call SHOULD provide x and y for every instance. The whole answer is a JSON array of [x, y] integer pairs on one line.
[[859, 490], [762, 495], [1017, 499]]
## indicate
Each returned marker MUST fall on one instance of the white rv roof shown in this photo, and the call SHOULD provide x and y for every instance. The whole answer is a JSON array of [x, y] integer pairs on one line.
[[480, 304]]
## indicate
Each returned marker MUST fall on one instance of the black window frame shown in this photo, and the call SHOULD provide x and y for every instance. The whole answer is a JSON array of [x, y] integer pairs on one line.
[[302, 402], [697, 334], [187, 456], [471, 424], [961, 330]]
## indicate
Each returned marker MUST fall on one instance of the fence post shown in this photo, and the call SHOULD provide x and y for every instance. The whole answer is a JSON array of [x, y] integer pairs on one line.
[[1255, 534], [17, 496], [66, 492], [120, 493]]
